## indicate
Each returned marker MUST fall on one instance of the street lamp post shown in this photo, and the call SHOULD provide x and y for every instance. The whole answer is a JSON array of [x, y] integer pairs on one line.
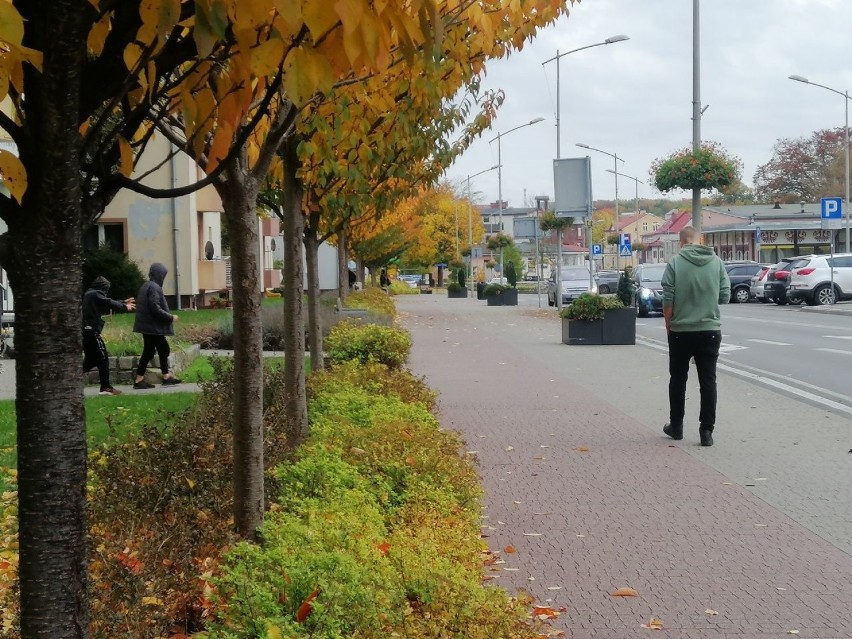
[[636, 181], [470, 222], [500, 176], [613, 39], [845, 95], [615, 160]]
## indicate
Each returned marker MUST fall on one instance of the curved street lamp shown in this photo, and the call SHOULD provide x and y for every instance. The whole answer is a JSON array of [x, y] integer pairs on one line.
[[610, 40], [845, 95], [615, 159]]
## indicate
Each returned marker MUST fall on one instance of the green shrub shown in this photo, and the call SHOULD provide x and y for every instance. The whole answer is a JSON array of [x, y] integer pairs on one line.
[[123, 273], [590, 307], [710, 167], [350, 340], [372, 299], [375, 379], [460, 277], [402, 288], [454, 287], [511, 274], [626, 286], [493, 289]]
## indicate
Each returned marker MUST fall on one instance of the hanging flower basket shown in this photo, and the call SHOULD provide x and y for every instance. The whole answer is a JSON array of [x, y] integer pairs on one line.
[[709, 168]]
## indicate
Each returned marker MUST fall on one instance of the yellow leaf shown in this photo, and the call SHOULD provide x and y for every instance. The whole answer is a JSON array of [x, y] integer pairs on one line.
[[319, 15], [291, 12], [220, 146], [152, 601], [190, 483], [126, 153], [11, 25], [306, 73], [14, 175], [273, 632], [161, 14], [98, 35], [266, 57], [211, 23], [132, 53], [624, 592]]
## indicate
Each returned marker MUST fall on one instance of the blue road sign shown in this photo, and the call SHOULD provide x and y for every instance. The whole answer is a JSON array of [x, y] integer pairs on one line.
[[597, 249], [624, 240], [625, 250], [831, 212]]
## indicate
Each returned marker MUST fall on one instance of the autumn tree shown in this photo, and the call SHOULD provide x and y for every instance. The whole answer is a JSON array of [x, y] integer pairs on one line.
[[803, 168]]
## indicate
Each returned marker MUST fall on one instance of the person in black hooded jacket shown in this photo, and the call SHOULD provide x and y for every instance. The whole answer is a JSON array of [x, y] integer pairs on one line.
[[154, 321], [95, 304]]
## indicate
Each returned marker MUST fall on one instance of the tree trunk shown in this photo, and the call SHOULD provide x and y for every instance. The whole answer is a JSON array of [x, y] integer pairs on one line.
[[44, 262], [293, 230], [342, 264], [314, 321], [239, 199], [360, 272]]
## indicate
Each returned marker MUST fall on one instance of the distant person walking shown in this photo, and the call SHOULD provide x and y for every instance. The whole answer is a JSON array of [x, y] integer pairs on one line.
[[384, 280], [694, 284], [95, 304], [154, 322]]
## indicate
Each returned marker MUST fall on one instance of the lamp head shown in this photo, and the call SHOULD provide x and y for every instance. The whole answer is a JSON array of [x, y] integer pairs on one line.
[[536, 121], [616, 38], [799, 78]]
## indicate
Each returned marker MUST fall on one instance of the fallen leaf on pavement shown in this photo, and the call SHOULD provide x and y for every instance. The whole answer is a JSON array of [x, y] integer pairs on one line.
[[710, 612], [625, 592], [509, 448], [509, 550], [532, 534], [583, 449], [544, 612], [792, 632], [653, 624]]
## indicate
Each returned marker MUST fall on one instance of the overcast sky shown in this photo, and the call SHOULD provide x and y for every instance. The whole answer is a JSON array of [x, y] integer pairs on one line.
[[634, 98]]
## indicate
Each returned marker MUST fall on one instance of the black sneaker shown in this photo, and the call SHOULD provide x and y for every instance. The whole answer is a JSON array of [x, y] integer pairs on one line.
[[171, 381], [706, 435], [143, 385], [673, 432]]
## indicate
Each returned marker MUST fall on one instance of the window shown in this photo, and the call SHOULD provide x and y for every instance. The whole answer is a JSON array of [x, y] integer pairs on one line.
[[109, 233], [644, 227]]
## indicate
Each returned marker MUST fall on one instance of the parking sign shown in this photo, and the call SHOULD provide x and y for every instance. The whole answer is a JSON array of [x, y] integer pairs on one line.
[[831, 212]]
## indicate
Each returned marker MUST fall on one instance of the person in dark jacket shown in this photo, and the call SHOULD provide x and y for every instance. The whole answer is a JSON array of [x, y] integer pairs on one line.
[[95, 304], [155, 323]]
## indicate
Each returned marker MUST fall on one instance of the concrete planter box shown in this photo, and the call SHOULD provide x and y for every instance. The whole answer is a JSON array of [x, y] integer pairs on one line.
[[510, 297], [617, 327], [457, 295], [123, 369], [480, 290], [495, 300]]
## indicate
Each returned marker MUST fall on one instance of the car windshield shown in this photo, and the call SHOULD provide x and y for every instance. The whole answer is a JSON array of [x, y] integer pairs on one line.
[[652, 273], [573, 273]]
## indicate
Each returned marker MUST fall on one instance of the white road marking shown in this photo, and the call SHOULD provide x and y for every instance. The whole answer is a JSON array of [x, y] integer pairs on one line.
[[837, 336], [727, 348], [769, 341], [833, 350]]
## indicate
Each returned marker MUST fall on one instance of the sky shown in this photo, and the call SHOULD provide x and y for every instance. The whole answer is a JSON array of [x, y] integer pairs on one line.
[[634, 98]]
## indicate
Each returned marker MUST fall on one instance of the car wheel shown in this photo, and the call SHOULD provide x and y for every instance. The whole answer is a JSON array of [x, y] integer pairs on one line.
[[603, 290], [825, 295], [641, 311], [741, 295], [781, 301], [795, 301], [765, 300]]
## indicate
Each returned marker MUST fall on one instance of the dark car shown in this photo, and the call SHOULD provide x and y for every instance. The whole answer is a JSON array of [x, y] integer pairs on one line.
[[778, 279], [649, 288], [740, 274]]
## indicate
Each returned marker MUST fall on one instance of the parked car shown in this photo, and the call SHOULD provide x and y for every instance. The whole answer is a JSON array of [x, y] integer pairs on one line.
[[412, 280], [756, 288], [740, 274], [502, 281], [607, 281], [649, 288], [576, 280], [775, 286], [810, 279]]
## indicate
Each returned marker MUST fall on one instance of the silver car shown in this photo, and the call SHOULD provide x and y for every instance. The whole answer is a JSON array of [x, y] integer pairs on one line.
[[576, 280]]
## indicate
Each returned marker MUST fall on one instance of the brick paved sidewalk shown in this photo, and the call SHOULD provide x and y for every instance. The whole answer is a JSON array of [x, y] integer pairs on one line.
[[593, 497]]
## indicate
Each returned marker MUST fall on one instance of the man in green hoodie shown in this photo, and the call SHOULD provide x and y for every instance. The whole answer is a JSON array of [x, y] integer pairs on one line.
[[694, 284]]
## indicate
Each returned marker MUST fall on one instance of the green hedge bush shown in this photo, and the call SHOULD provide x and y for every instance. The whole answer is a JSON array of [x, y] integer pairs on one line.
[[352, 340]]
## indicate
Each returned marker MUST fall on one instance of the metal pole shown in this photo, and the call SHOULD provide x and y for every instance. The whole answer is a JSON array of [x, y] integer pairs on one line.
[[846, 131], [469, 236], [537, 258], [500, 197], [696, 105], [456, 214], [617, 221], [558, 293], [558, 135]]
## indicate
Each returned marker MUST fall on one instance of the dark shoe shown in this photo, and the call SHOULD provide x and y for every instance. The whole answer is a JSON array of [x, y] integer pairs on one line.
[[674, 433], [706, 436], [171, 381], [143, 385], [109, 391]]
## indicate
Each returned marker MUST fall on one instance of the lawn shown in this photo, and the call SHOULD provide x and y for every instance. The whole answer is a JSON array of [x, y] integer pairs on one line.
[[105, 417]]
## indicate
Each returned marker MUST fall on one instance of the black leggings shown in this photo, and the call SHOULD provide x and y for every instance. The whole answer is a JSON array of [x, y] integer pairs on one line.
[[151, 343]]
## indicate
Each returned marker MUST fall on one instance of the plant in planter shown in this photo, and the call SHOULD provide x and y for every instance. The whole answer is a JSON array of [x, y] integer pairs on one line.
[[460, 277], [493, 294], [510, 294], [594, 319], [456, 289]]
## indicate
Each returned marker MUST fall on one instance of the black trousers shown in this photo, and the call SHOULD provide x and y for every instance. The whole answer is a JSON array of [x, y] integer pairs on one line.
[[151, 343], [95, 354], [703, 346]]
